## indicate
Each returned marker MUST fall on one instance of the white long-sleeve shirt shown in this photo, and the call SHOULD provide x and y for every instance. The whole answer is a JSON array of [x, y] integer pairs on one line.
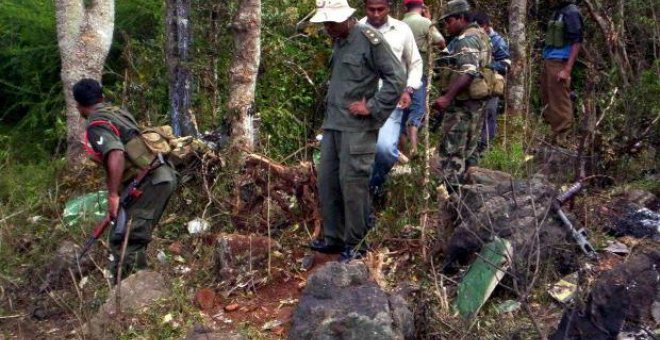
[[402, 42]]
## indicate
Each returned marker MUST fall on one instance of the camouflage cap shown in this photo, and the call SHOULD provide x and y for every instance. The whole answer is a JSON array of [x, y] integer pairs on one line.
[[455, 7]]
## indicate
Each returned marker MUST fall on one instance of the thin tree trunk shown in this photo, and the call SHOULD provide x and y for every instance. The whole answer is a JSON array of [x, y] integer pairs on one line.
[[84, 36], [516, 94], [246, 27], [615, 42], [179, 37]]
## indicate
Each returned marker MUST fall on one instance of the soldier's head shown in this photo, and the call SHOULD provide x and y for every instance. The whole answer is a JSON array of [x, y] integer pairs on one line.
[[87, 93], [456, 16], [413, 5], [377, 11], [335, 16], [483, 20]]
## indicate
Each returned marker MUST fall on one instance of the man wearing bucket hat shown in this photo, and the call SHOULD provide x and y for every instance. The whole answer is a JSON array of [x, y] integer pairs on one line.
[[356, 109], [464, 90]]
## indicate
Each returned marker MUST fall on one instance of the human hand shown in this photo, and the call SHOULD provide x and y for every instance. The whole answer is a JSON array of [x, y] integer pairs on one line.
[[564, 75], [405, 100], [113, 205], [426, 12], [359, 108], [441, 103]]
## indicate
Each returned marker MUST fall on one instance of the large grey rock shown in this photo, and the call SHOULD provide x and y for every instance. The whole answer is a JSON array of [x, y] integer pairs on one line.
[[621, 299], [340, 301], [137, 292], [511, 209]]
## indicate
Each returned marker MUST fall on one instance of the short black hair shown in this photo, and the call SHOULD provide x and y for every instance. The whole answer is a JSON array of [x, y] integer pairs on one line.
[[389, 2], [414, 5], [87, 92], [481, 18]]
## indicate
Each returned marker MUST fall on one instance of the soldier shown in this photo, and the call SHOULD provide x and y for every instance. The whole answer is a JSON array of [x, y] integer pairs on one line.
[[402, 41], [356, 109], [418, 19], [109, 132], [562, 46], [464, 90], [501, 61]]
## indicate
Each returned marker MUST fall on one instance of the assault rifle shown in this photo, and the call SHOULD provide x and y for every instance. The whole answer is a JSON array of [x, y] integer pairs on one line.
[[128, 196], [580, 236]]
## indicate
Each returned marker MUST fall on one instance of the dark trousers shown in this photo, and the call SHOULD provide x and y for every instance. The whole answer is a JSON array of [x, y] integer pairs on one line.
[[346, 161]]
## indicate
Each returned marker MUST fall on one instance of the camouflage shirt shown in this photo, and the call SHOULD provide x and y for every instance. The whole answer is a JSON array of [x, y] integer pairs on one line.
[[470, 51], [358, 62]]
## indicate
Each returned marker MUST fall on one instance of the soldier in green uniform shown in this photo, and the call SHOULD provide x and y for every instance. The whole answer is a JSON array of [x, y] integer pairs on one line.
[[109, 131], [464, 90], [356, 108]]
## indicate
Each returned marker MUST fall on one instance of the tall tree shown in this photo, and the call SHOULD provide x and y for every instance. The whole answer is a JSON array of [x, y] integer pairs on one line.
[[246, 27], [179, 38], [516, 90], [84, 35]]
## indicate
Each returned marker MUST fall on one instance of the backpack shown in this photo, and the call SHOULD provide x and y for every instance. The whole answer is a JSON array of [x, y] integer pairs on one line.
[[141, 146]]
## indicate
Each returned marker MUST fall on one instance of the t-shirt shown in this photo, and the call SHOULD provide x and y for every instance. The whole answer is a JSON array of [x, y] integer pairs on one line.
[[573, 32]]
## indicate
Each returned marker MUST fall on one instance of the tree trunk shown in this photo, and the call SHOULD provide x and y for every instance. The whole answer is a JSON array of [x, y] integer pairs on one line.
[[178, 46], [616, 47], [84, 35], [516, 94], [246, 27]]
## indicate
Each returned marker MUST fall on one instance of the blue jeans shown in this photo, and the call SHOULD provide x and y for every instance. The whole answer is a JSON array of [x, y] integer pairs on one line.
[[414, 114], [387, 148]]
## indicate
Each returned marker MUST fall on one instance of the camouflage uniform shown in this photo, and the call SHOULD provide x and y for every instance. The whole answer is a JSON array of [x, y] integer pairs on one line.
[[349, 142], [470, 53], [157, 187]]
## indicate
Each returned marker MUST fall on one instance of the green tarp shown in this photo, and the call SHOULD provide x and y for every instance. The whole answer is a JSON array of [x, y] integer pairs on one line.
[[91, 206]]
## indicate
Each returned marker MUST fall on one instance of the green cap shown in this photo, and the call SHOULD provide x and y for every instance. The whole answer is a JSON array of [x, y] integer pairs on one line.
[[455, 7]]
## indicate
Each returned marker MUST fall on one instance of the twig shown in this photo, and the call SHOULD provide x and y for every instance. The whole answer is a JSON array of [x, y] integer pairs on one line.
[[120, 267], [12, 215], [12, 316]]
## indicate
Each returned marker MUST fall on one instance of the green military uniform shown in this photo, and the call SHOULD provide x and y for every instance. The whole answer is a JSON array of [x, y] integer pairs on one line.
[[349, 142], [157, 187], [469, 53], [422, 28]]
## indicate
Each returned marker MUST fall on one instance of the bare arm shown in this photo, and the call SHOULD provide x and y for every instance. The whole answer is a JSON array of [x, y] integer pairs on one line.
[[114, 167]]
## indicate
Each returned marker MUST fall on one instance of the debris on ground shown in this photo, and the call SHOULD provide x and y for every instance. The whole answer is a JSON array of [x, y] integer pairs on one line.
[[564, 290], [622, 299], [482, 277]]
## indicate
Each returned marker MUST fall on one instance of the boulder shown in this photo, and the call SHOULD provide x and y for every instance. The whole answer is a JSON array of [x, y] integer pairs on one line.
[[340, 301], [495, 205], [137, 291], [622, 299]]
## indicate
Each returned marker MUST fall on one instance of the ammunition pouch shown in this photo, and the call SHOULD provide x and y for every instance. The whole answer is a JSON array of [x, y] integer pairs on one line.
[[555, 35]]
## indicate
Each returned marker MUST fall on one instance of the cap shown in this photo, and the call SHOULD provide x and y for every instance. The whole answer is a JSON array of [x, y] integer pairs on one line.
[[332, 10], [455, 7], [410, 2]]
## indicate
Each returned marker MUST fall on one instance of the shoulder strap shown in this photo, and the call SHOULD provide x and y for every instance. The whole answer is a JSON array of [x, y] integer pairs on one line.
[[87, 146], [370, 34]]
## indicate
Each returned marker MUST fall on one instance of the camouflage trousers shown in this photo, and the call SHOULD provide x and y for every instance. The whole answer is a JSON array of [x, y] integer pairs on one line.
[[461, 132], [143, 215]]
